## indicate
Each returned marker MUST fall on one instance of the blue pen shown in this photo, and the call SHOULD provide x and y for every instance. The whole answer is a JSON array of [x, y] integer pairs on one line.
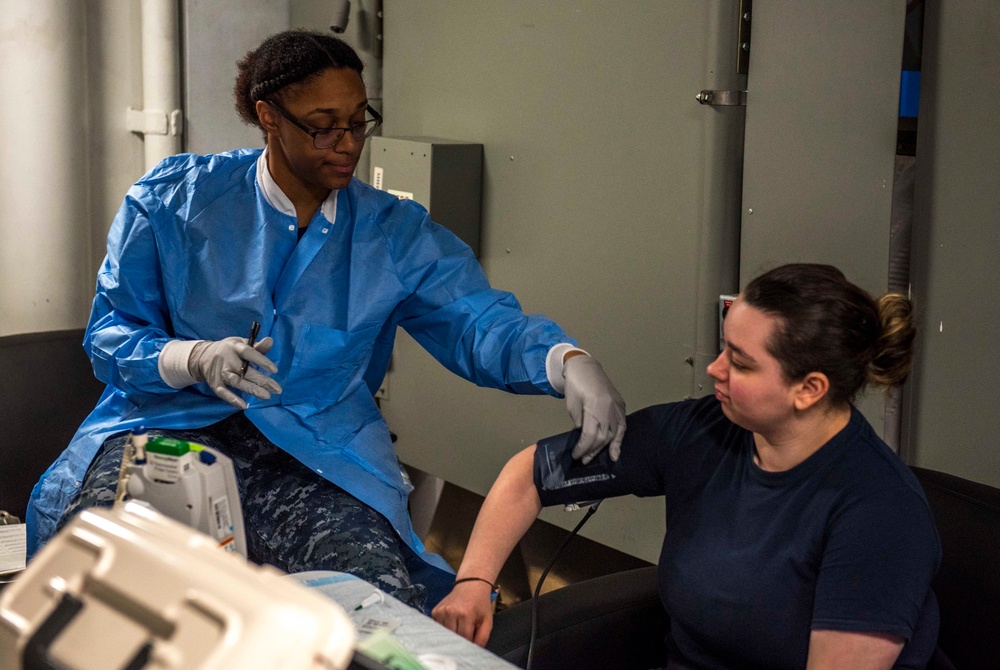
[[254, 329]]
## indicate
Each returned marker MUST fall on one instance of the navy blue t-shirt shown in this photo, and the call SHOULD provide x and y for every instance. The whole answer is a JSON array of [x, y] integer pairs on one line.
[[753, 560]]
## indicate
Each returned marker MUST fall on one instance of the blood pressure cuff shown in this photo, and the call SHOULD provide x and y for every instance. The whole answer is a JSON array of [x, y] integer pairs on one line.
[[560, 479]]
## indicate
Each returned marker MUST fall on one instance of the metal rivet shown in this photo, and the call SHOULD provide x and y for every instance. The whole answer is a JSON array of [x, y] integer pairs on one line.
[[326, 230], [750, 211], [746, 46], [512, 158], [291, 227]]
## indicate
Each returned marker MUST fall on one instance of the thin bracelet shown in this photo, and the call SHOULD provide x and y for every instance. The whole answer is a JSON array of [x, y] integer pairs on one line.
[[494, 587]]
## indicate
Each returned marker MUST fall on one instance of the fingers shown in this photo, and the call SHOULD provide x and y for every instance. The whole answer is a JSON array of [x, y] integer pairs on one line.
[[471, 624], [482, 634], [597, 434], [470, 614], [263, 381], [229, 396], [256, 384], [466, 628], [588, 438], [615, 450], [264, 345], [254, 356]]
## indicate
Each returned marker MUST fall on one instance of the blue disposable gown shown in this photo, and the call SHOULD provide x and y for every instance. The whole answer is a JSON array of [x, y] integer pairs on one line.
[[197, 252]]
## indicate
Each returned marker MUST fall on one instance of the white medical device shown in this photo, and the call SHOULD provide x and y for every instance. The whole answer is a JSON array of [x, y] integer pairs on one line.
[[189, 482], [131, 588]]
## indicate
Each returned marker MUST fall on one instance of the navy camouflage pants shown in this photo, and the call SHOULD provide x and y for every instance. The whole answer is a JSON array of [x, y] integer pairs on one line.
[[295, 520]]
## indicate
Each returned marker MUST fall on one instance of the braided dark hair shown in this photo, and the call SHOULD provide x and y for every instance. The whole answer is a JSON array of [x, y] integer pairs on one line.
[[829, 325], [284, 60]]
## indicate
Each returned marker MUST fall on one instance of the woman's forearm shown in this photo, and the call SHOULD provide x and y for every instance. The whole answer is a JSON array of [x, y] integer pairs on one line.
[[509, 510]]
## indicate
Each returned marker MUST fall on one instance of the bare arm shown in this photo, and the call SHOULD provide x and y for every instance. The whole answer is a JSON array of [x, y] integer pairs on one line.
[[509, 510], [849, 650]]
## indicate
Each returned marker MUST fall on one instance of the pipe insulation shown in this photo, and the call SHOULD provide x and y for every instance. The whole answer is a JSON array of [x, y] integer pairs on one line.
[[161, 90], [45, 275]]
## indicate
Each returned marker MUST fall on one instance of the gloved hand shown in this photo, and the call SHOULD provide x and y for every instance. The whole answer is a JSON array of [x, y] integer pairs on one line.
[[595, 406], [220, 364]]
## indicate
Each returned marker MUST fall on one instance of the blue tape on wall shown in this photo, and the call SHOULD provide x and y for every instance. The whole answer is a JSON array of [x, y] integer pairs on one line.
[[909, 93]]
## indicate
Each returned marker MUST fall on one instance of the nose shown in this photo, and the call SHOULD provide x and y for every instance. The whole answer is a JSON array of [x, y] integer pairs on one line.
[[347, 144], [719, 368]]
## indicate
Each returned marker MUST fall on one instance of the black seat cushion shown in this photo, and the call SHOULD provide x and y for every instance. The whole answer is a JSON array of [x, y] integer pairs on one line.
[[49, 388], [615, 621], [967, 586]]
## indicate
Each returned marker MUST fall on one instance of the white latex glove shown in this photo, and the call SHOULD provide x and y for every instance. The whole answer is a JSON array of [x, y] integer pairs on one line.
[[220, 364], [595, 406]]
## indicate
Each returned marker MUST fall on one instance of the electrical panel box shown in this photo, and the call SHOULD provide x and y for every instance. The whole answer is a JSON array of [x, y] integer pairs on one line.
[[445, 176]]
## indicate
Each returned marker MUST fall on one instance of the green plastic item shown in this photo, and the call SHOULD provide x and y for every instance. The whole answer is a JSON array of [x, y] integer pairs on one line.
[[168, 446], [381, 646]]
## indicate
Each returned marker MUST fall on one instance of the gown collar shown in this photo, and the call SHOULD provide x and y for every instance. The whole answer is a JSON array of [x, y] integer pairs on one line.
[[277, 198]]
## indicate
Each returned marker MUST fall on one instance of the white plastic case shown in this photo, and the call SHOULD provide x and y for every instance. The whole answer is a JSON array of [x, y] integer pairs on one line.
[[131, 588]]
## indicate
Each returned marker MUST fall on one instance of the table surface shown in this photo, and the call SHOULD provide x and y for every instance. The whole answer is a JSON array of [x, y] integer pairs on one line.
[[431, 643]]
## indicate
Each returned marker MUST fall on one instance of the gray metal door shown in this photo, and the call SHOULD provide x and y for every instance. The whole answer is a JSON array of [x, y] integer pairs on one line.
[[610, 203], [822, 114]]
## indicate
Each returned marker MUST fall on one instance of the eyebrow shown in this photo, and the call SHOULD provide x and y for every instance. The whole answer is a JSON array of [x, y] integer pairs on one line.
[[740, 352], [332, 110]]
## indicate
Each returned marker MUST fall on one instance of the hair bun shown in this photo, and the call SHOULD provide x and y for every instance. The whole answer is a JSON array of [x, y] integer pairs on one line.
[[893, 355]]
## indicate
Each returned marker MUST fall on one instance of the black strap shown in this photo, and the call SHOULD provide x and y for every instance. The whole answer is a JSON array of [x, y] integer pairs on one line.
[[494, 587]]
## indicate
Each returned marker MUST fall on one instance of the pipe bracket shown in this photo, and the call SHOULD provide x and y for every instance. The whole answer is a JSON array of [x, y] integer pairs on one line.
[[154, 121]]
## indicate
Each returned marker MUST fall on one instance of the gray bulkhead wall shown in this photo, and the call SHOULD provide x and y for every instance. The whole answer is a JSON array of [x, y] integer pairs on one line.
[[953, 424], [610, 204], [822, 114]]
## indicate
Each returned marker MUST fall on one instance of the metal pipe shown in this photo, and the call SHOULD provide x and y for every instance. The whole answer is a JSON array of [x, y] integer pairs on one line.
[[161, 97]]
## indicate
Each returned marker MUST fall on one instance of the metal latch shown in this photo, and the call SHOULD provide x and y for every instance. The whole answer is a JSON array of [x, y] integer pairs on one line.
[[722, 98]]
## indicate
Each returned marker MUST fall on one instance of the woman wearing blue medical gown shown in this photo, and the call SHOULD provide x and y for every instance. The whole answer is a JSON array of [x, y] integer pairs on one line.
[[286, 236]]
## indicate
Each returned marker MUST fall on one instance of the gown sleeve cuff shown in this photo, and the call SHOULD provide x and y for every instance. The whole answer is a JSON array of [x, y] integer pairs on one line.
[[173, 363], [554, 365]]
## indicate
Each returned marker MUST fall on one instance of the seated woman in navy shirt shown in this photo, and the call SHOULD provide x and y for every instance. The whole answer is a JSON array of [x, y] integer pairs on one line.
[[795, 537]]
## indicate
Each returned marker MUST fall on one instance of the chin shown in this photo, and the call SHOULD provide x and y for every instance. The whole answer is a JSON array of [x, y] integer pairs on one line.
[[736, 418], [337, 184]]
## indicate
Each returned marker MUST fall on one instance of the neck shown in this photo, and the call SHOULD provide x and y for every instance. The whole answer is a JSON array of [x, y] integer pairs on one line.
[[799, 438], [306, 198]]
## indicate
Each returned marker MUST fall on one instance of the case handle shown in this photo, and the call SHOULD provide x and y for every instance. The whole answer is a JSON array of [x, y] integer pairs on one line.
[[36, 651]]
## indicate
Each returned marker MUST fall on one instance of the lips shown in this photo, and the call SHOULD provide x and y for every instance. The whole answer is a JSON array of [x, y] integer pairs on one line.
[[720, 396]]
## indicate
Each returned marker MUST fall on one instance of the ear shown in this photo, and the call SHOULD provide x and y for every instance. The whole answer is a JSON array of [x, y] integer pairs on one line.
[[812, 389], [268, 117]]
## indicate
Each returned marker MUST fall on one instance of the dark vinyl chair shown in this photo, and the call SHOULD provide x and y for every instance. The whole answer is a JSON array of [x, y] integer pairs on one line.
[[49, 388], [967, 585]]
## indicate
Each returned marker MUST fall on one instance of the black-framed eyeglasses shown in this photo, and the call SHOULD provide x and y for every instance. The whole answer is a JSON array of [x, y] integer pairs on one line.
[[326, 138]]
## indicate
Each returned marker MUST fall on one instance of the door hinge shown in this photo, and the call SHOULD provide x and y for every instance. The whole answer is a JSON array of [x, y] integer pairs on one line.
[[722, 98]]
